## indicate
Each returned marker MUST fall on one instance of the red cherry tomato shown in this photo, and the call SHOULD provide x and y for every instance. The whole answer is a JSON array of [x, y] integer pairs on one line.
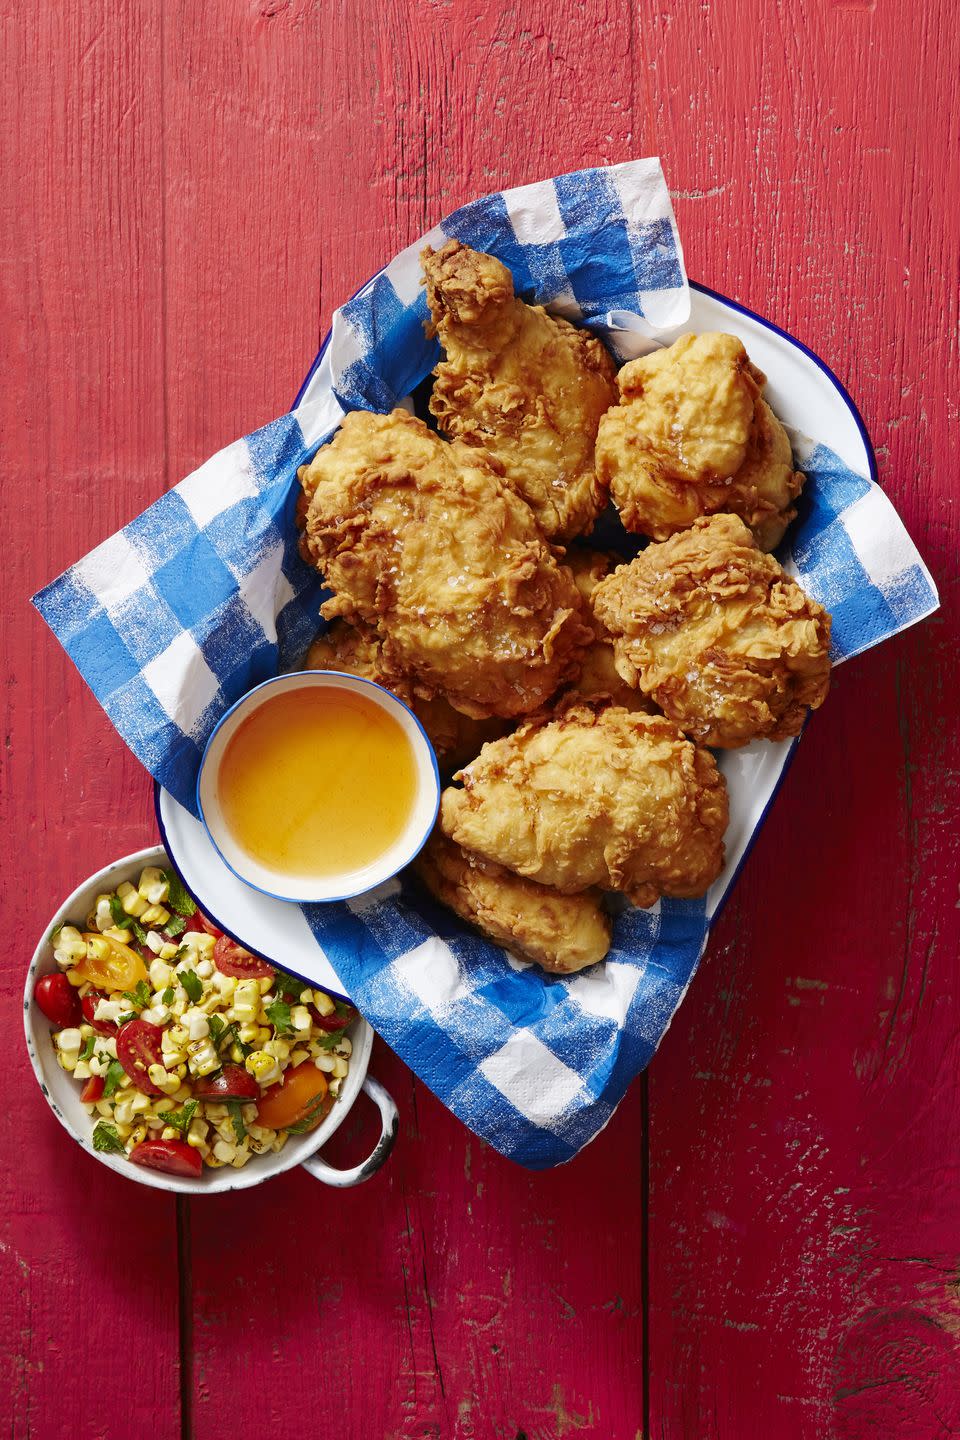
[[58, 1000], [333, 1022], [139, 1045], [93, 1090], [199, 923], [89, 1005], [231, 959], [174, 1157], [230, 1083]]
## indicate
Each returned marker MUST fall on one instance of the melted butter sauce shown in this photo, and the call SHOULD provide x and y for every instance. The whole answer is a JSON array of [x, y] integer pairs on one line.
[[318, 782]]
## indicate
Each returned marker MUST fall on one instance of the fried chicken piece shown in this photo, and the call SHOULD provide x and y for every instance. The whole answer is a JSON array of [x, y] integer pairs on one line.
[[693, 436], [525, 386], [598, 672], [596, 797], [357, 650], [421, 540], [716, 632], [561, 933]]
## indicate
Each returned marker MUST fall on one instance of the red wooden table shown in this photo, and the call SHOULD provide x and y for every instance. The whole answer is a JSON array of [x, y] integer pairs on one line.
[[764, 1242]]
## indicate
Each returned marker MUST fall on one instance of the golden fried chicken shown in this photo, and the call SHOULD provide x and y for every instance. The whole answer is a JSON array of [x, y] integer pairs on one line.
[[717, 633], [526, 387], [598, 671], [693, 436], [421, 540], [561, 933], [357, 650], [596, 797]]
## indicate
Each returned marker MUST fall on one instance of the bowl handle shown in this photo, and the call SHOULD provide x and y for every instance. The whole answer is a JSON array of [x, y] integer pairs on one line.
[[389, 1124]]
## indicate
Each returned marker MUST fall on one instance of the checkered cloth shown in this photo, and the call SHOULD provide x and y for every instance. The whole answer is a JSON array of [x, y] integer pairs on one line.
[[204, 595]]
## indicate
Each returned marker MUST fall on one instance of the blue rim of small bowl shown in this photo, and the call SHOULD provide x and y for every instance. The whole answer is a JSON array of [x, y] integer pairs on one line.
[[333, 675]]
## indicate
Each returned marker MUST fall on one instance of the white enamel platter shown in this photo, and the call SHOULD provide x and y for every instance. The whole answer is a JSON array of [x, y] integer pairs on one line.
[[806, 395]]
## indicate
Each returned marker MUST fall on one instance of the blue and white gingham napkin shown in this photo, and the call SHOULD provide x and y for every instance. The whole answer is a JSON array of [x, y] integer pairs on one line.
[[204, 595]]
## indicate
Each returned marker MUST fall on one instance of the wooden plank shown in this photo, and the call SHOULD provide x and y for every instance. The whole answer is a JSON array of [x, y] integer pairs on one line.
[[804, 1156], [88, 1265]]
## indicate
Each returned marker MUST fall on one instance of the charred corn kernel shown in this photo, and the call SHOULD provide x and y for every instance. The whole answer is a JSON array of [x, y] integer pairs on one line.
[[236, 1054], [248, 1032], [205, 944], [300, 1019], [137, 1133], [132, 902], [333, 1088], [224, 1151], [212, 1161], [70, 946], [102, 914], [174, 1037], [155, 915], [202, 1057], [205, 969], [68, 1041], [340, 1069], [263, 1067], [325, 1063], [167, 950], [182, 1071], [225, 1129], [323, 1003], [154, 941], [97, 948], [154, 887], [214, 1111], [160, 974], [297, 1057], [344, 1046], [122, 936], [163, 1081], [82, 1071], [241, 1157], [279, 1140], [246, 1001], [278, 1048], [140, 1103]]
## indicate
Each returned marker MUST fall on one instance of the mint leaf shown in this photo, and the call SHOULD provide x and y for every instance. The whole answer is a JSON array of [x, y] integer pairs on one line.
[[279, 1016], [180, 1119], [179, 898], [127, 1016], [315, 1112], [192, 983], [120, 917], [87, 1050], [105, 1138], [140, 935], [175, 926], [236, 1115], [113, 1078]]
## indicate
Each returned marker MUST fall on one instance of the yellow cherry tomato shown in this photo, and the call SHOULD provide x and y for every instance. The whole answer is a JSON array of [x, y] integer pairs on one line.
[[116, 968], [300, 1096]]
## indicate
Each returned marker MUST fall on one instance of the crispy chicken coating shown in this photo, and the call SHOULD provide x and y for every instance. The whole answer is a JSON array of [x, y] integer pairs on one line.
[[561, 933], [525, 386], [693, 436], [421, 540], [598, 672], [716, 632], [358, 650], [596, 797]]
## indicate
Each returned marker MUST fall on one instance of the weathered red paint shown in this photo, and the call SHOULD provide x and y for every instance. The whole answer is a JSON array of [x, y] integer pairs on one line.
[[190, 191]]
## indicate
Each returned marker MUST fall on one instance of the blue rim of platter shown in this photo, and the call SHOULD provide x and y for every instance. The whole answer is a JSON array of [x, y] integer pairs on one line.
[[791, 754]]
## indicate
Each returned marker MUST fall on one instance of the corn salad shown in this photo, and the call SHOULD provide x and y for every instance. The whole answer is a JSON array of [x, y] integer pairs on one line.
[[192, 1050]]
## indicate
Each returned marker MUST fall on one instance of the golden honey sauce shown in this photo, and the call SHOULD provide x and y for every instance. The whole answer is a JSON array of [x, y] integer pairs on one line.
[[317, 782]]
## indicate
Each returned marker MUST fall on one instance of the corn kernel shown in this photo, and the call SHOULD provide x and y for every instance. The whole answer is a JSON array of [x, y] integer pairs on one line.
[[264, 1033], [138, 1132], [236, 1054], [97, 948], [168, 950], [297, 1057], [340, 1069], [68, 1041], [155, 1014], [124, 1130], [140, 1103], [263, 1067], [154, 941], [75, 978], [334, 1088], [82, 1071], [123, 1112], [212, 1161], [70, 946], [324, 1004], [279, 1141], [278, 1048], [202, 1058], [224, 1151], [163, 1107], [344, 1046], [174, 1058], [154, 887], [169, 1133], [102, 914], [264, 984], [325, 1063], [205, 969], [123, 937], [160, 973], [132, 902], [300, 1018], [163, 1081], [155, 915], [241, 1157], [204, 944], [248, 1033]]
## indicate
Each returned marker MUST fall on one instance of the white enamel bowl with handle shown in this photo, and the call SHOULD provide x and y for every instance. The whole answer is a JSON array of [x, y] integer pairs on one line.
[[62, 1092]]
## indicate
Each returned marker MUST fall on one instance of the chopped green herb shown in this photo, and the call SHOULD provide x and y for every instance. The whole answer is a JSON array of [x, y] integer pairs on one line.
[[120, 917], [314, 1114], [105, 1137], [140, 935], [113, 1079], [216, 1025], [180, 1119], [127, 1016], [192, 983], [236, 1115], [175, 926], [167, 996], [290, 986], [279, 1015], [343, 1009], [180, 898], [328, 1039], [55, 934], [87, 1050], [140, 996]]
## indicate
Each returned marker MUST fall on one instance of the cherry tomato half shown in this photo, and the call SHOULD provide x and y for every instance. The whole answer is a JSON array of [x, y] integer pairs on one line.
[[58, 1000], [174, 1157], [89, 1006], [334, 1022], [230, 1083], [231, 959], [301, 1092], [139, 1045], [93, 1090], [119, 969], [198, 922]]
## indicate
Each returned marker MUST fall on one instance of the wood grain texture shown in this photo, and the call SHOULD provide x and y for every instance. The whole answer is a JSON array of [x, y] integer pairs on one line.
[[191, 191]]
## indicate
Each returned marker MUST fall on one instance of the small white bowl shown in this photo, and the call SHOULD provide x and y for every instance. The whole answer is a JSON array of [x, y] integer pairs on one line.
[[62, 1092], [349, 883]]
